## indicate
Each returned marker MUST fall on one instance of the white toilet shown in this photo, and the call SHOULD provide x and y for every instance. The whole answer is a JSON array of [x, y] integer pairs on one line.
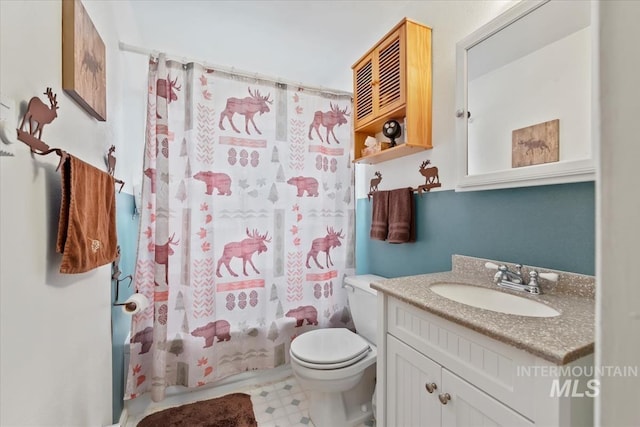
[[338, 367]]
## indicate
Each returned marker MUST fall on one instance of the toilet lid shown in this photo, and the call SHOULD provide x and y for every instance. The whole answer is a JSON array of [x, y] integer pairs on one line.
[[334, 346], [330, 366]]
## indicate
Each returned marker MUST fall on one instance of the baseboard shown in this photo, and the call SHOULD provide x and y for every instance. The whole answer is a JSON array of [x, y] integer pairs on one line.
[[124, 417]]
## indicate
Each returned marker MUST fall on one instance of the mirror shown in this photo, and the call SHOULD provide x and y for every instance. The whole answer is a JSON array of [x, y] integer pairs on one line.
[[524, 97]]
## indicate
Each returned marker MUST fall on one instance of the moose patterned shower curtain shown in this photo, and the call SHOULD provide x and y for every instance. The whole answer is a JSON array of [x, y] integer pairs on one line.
[[246, 228]]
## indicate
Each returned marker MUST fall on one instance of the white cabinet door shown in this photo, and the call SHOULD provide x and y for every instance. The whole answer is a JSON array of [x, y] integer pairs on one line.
[[470, 406], [409, 376]]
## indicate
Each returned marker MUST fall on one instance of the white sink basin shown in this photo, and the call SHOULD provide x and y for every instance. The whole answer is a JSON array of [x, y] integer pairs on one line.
[[492, 299]]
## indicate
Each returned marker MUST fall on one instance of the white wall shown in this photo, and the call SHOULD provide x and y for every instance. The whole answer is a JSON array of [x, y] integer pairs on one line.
[[618, 293], [55, 330], [316, 43]]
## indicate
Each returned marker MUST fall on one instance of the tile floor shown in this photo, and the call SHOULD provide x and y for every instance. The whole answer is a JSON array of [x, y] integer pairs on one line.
[[279, 403], [283, 404]]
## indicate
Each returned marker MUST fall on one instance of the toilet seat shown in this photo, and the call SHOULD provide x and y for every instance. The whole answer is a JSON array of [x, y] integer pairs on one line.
[[332, 348]]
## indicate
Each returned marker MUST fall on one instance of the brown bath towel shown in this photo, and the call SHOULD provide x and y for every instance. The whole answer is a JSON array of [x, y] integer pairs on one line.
[[401, 217], [87, 226], [380, 215]]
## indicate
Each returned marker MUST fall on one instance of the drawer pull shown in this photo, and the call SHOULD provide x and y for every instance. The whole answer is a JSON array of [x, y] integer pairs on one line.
[[431, 387], [444, 398]]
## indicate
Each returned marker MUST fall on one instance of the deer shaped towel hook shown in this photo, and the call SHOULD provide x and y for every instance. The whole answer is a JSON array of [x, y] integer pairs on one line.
[[38, 112], [115, 275], [111, 160], [432, 180], [37, 116], [373, 185]]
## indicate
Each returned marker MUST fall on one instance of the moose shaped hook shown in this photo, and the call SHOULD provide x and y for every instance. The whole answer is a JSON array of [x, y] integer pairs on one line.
[[432, 180], [111, 160], [40, 114], [116, 272], [373, 185]]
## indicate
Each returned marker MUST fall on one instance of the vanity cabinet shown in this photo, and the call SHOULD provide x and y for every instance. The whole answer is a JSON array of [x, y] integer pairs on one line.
[[417, 388], [435, 372], [393, 81]]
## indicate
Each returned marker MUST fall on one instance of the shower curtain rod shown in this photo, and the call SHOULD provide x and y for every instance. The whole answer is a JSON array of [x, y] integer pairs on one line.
[[125, 47]]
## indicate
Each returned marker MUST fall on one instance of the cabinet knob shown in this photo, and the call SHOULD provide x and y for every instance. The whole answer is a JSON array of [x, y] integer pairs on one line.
[[460, 113], [444, 398], [374, 82], [431, 387]]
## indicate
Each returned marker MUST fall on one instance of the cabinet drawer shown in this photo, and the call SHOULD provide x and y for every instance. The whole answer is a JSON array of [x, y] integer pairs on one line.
[[488, 364]]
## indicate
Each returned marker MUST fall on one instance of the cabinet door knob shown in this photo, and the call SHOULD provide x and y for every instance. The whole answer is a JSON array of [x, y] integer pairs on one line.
[[431, 387], [444, 398], [460, 113]]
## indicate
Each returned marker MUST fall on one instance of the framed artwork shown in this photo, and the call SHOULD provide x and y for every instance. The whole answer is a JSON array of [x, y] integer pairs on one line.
[[535, 144], [84, 75]]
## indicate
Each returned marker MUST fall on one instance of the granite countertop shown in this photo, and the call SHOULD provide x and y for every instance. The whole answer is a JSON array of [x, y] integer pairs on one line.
[[560, 339]]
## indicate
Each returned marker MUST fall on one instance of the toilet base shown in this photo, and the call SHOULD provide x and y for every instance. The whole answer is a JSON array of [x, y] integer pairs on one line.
[[344, 409]]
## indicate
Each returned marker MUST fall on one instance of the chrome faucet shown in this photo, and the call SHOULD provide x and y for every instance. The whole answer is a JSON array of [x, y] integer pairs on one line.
[[514, 280], [504, 274]]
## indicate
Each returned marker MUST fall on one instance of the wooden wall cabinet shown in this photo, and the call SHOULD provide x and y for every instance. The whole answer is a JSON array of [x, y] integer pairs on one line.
[[393, 81]]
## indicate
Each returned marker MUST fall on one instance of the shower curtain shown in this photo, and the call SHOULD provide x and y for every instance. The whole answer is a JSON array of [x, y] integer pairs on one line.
[[246, 226]]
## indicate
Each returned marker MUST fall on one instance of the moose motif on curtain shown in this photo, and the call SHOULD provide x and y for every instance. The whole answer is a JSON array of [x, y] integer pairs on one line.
[[324, 244], [167, 88], [162, 253], [248, 107], [243, 249], [328, 119]]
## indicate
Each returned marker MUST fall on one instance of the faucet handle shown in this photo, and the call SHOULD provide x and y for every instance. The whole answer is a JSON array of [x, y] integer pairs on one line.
[[491, 265], [519, 269], [553, 277], [533, 285]]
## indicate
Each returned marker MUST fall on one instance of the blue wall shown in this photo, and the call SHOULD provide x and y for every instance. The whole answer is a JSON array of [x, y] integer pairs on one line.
[[127, 226], [547, 226]]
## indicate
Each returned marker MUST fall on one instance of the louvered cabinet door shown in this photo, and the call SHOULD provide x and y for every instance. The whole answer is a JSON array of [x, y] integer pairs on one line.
[[389, 78], [392, 80], [363, 82]]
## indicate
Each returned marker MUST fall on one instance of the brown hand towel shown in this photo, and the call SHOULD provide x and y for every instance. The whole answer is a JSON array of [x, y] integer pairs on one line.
[[380, 215], [87, 226], [401, 217]]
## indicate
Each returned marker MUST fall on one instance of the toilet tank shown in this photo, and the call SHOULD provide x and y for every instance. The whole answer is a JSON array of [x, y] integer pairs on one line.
[[363, 304]]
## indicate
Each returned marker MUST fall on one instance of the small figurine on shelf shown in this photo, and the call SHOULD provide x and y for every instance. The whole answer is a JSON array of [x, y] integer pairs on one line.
[[111, 160], [37, 111]]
